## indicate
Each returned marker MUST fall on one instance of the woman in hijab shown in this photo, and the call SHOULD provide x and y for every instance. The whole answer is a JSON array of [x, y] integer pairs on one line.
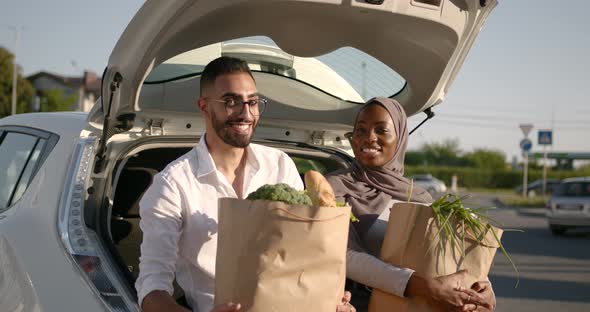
[[373, 183]]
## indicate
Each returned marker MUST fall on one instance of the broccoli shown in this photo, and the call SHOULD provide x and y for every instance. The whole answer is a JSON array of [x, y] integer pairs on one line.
[[281, 192]]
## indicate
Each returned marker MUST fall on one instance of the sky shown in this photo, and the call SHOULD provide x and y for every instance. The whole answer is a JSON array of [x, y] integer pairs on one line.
[[529, 64]]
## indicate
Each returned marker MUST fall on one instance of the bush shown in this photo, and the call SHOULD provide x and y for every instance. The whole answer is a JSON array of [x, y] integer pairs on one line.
[[488, 178]]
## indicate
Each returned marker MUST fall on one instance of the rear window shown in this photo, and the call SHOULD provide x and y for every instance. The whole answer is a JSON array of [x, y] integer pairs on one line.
[[573, 189], [21, 153], [323, 165], [17, 155], [303, 165], [347, 73]]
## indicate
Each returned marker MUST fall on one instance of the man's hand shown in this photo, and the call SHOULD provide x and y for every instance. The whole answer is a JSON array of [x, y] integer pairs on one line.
[[345, 305], [159, 300], [228, 307], [484, 288]]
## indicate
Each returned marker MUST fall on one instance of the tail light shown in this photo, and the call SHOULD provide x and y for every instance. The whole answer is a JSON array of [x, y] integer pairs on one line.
[[82, 243]]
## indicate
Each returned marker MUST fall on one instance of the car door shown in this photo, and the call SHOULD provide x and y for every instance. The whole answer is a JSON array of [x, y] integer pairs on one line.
[[22, 151]]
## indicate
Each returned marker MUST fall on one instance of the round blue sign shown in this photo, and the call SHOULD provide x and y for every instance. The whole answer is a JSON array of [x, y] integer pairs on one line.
[[526, 144]]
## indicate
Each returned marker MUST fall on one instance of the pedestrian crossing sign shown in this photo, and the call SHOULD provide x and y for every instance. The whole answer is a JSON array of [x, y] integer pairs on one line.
[[545, 137]]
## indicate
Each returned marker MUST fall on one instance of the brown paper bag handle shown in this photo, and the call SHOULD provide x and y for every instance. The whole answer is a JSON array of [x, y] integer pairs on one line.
[[302, 218]]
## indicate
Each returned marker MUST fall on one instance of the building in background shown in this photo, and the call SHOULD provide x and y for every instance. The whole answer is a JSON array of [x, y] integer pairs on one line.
[[563, 160], [78, 93]]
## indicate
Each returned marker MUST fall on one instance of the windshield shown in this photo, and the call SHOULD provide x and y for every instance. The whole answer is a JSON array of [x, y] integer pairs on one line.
[[574, 189], [347, 73]]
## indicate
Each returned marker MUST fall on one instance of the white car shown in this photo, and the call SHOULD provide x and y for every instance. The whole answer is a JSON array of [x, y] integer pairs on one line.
[[433, 185], [569, 205], [69, 235]]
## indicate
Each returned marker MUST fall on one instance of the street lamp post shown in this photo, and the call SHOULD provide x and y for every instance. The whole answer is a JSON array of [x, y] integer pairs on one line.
[[14, 71], [17, 31], [364, 80]]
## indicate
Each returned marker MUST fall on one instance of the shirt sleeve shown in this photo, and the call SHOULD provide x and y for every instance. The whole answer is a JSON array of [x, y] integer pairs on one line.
[[161, 224], [290, 174], [381, 275]]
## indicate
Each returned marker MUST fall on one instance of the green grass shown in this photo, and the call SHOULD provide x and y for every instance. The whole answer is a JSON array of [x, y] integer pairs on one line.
[[509, 198], [490, 191], [519, 201]]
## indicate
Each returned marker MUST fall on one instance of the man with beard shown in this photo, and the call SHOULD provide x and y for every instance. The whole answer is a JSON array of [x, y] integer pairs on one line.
[[179, 210]]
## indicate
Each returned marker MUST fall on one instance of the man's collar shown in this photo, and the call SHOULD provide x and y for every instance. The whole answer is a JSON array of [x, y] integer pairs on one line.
[[204, 160], [206, 165]]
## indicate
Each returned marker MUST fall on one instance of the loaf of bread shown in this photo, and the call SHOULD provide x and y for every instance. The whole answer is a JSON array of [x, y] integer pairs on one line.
[[318, 188]]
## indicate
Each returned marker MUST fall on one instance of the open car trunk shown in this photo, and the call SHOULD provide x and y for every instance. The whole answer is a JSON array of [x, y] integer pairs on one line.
[[134, 173], [424, 42]]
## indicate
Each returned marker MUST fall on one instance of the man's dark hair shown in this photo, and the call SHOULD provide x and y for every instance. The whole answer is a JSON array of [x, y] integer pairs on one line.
[[222, 66]]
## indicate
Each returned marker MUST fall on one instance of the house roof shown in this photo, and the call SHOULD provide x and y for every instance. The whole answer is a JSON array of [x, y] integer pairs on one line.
[[89, 81], [74, 82]]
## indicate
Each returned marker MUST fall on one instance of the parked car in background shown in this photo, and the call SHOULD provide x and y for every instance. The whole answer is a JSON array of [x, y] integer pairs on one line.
[[431, 184], [69, 216], [569, 206], [536, 187]]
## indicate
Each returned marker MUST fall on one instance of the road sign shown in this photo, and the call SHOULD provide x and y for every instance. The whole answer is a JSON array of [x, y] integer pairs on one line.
[[526, 145], [545, 137], [526, 129]]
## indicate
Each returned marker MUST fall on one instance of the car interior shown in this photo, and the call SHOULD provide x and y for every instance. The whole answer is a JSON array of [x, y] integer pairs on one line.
[[135, 174]]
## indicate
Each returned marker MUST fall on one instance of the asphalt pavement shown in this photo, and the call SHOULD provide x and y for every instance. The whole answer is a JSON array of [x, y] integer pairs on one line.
[[554, 270]]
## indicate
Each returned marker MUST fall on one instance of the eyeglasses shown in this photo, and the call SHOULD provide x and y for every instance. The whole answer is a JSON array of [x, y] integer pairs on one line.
[[236, 106]]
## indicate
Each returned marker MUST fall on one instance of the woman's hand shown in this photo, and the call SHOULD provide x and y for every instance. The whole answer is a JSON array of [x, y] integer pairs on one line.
[[443, 291], [484, 288], [228, 307], [345, 305]]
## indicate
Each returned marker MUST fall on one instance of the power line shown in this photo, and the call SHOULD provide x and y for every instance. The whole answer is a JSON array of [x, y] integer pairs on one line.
[[546, 124], [510, 118], [510, 110], [499, 125], [473, 124]]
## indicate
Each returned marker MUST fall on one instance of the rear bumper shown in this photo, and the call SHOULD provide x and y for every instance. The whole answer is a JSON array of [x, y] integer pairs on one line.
[[580, 220]]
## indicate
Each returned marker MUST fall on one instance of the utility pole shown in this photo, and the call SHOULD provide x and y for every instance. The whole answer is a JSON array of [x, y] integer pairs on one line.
[[81, 89], [364, 80], [545, 147], [17, 31], [525, 174], [544, 170], [14, 71], [525, 146]]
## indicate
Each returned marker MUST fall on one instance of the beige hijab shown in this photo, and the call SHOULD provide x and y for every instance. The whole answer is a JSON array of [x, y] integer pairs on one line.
[[370, 190]]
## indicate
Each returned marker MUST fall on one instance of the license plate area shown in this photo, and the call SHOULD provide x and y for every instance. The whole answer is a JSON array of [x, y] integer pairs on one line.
[[571, 207]]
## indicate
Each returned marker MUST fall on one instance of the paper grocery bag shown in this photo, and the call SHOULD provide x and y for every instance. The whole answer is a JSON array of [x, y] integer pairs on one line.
[[272, 256], [411, 232]]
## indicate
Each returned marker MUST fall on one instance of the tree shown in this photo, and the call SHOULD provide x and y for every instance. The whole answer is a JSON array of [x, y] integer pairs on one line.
[[56, 100], [486, 158], [25, 90], [446, 153], [415, 158]]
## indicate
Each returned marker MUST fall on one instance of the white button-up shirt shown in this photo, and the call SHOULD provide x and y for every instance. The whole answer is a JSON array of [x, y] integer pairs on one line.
[[179, 219]]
